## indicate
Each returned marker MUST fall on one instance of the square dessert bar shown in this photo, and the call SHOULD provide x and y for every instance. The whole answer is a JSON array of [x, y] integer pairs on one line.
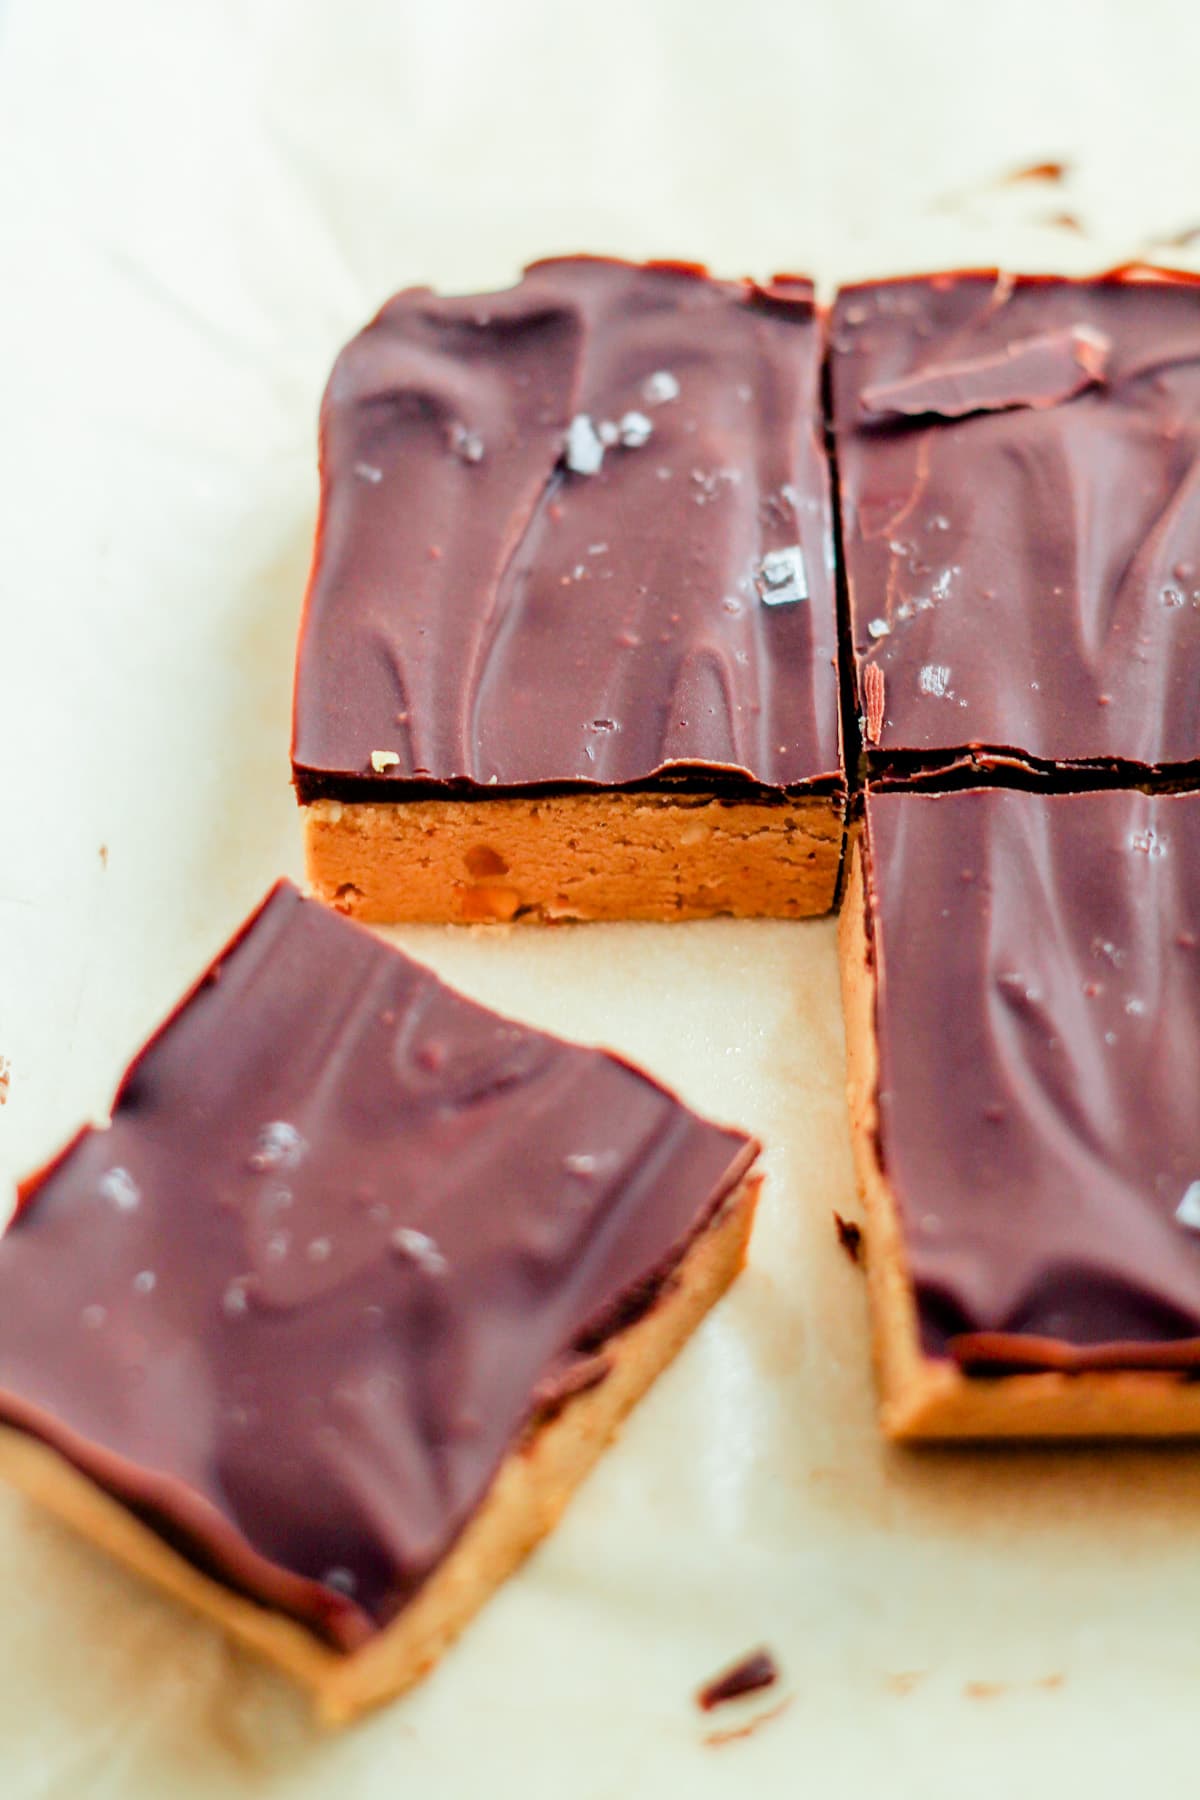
[[570, 642], [322, 1331], [1022, 990], [1019, 472]]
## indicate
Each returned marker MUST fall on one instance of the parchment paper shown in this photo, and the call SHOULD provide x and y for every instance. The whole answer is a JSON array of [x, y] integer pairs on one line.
[[200, 200]]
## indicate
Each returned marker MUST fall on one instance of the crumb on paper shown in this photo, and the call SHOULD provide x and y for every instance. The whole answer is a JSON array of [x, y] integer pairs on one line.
[[384, 759], [1052, 169], [758, 1669], [1066, 221], [904, 1681], [104, 856], [715, 1740], [1182, 239], [5, 1079], [850, 1237], [984, 1690]]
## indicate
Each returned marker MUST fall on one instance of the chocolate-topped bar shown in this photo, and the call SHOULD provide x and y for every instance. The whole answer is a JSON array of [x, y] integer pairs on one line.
[[323, 1328], [1022, 986], [1019, 473], [569, 647]]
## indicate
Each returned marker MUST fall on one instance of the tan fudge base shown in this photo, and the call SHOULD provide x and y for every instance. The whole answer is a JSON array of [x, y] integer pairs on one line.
[[923, 1397], [524, 1502], [575, 856]]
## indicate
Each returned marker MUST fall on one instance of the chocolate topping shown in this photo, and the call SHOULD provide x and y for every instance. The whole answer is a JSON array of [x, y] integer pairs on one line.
[[1038, 371], [1038, 1020], [1019, 475], [577, 533], [346, 1235], [753, 1672]]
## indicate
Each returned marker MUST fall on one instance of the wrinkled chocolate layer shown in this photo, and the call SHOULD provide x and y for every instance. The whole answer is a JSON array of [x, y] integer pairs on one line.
[[576, 532], [346, 1235], [1038, 1022], [1022, 549]]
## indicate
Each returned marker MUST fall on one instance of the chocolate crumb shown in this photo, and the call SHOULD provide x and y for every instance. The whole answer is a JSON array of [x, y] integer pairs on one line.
[[850, 1237], [755, 1671]]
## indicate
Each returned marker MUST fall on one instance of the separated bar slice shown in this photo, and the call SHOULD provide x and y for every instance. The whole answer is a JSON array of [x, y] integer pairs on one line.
[[1022, 993], [324, 1328], [570, 642], [1019, 473]]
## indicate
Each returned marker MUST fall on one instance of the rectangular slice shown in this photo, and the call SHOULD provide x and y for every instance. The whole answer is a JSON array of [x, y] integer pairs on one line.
[[1022, 992], [570, 642], [1019, 474], [322, 1331]]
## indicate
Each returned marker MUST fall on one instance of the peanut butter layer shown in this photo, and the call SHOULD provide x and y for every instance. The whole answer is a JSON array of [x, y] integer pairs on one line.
[[581, 856], [346, 1240]]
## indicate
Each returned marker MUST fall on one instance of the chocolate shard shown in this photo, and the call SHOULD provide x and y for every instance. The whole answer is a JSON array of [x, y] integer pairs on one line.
[[748, 1676], [1044, 370], [346, 1234]]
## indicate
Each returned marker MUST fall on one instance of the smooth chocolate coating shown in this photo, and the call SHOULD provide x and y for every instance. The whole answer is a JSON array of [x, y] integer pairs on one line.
[[346, 1236], [1038, 1020], [1019, 474], [501, 598]]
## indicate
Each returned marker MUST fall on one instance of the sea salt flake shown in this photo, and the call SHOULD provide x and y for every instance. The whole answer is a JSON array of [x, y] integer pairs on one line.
[[418, 1247], [584, 452], [934, 679], [118, 1186], [279, 1146], [368, 472], [145, 1281], [342, 1581], [467, 444], [636, 430], [782, 579], [1188, 1210], [660, 387], [235, 1300], [384, 759], [878, 628], [609, 433]]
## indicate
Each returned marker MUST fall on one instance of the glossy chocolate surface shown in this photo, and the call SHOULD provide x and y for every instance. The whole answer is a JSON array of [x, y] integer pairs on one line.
[[1019, 472], [346, 1236], [577, 533], [1038, 1022]]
